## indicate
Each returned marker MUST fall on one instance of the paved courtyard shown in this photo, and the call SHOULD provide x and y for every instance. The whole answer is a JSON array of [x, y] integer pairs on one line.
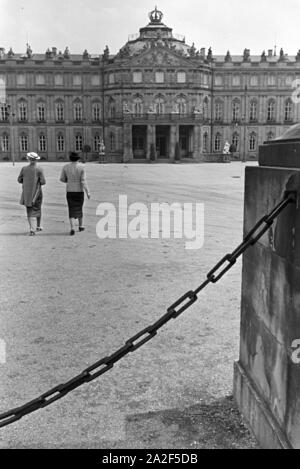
[[68, 301]]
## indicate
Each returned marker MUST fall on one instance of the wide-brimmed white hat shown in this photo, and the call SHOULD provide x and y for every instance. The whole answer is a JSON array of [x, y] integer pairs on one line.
[[33, 156]]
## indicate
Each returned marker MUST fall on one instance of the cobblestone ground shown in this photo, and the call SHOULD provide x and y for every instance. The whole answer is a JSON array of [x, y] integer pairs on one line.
[[68, 301]]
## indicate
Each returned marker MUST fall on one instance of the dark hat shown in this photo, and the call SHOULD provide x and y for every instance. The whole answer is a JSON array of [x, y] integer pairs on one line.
[[74, 156]]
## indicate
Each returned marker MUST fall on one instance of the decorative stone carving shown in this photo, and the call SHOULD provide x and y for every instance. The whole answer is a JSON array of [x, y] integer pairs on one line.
[[151, 109]]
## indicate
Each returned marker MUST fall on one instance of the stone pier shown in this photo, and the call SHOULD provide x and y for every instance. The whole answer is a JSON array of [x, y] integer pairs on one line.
[[267, 375]]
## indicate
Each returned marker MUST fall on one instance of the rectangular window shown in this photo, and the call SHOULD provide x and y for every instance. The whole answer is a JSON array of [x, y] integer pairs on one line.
[[236, 80], [271, 80], [111, 78], [181, 77], [58, 79], [95, 80], [40, 79], [60, 143], [137, 77], [218, 81], [254, 80], [41, 113], [21, 79], [159, 77], [4, 143], [24, 143], [77, 81], [42, 143], [2, 88]]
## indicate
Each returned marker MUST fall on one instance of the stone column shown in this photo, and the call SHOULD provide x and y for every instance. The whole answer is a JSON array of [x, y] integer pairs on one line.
[[267, 375], [174, 138], [151, 138], [196, 142], [127, 142]]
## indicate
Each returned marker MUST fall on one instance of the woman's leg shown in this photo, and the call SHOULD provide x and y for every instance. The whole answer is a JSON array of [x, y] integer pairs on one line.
[[31, 224], [72, 225]]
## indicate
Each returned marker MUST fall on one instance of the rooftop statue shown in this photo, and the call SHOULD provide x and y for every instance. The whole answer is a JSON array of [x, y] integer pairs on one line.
[[209, 55], [228, 57], [28, 51], [106, 53], [246, 55], [263, 57], [67, 53], [10, 53]]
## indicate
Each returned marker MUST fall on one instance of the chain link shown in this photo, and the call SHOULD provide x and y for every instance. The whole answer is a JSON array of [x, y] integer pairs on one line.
[[178, 307]]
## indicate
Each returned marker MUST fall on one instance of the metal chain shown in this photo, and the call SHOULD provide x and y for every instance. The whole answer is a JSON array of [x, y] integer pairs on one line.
[[178, 307]]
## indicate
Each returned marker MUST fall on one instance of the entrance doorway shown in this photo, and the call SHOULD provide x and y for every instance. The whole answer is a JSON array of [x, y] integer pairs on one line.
[[139, 141], [162, 141], [185, 141]]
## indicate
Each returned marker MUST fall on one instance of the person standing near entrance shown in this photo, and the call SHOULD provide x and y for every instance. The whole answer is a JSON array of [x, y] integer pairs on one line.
[[73, 174], [32, 178]]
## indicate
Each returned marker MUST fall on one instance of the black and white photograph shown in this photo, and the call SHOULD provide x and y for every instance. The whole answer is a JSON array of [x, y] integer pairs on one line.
[[149, 228]]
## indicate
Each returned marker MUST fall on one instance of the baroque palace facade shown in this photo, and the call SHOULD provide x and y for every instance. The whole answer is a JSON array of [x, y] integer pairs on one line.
[[158, 96]]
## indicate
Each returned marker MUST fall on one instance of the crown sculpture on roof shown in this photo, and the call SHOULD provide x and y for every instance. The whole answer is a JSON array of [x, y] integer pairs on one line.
[[155, 16]]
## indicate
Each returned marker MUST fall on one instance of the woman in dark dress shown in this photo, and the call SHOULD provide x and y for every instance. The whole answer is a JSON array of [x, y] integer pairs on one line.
[[73, 174], [32, 178]]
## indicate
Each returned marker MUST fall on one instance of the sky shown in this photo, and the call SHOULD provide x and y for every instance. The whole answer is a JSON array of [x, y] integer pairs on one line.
[[92, 24]]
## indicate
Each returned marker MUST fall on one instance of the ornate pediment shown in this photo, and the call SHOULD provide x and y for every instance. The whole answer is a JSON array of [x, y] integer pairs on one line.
[[158, 56]]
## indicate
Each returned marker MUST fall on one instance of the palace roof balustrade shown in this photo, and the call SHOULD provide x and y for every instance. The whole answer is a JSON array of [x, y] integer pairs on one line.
[[158, 118]]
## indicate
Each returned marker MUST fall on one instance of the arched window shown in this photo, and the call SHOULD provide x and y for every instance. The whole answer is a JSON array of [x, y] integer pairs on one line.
[[218, 142], [253, 111], [219, 111], [271, 110], [288, 110], [42, 142], [112, 141], [252, 141], [59, 111], [24, 142], [77, 111], [205, 142], [23, 111], [137, 106], [41, 112], [96, 112], [60, 142], [235, 110], [159, 105], [96, 142], [181, 104], [4, 143], [78, 142], [236, 140], [270, 136]]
